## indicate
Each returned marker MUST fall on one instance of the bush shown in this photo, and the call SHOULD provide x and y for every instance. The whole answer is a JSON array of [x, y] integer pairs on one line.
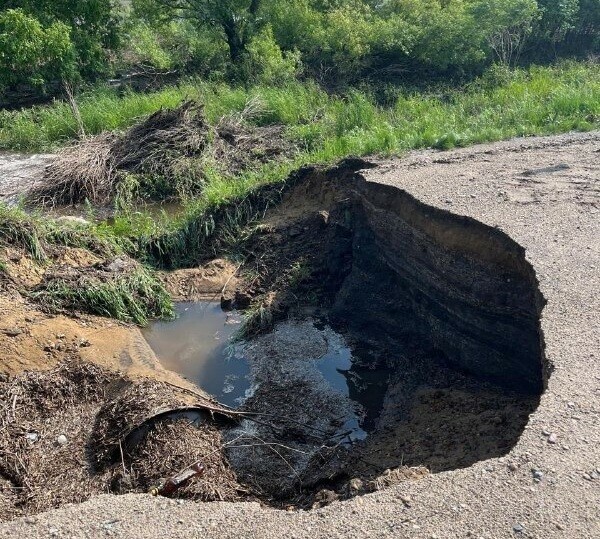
[[32, 54], [267, 64]]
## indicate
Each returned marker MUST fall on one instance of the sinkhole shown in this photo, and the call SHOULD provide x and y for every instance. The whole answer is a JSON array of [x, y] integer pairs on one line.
[[399, 335]]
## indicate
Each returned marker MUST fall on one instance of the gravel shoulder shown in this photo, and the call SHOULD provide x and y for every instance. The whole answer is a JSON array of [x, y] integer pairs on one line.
[[544, 193]]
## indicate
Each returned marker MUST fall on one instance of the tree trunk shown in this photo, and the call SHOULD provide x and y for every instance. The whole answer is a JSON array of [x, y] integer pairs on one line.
[[235, 42]]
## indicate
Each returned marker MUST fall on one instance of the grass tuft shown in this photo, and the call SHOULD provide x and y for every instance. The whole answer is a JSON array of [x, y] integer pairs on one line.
[[137, 297]]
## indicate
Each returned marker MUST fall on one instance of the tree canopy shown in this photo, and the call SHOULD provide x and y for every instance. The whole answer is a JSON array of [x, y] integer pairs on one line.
[[334, 41]]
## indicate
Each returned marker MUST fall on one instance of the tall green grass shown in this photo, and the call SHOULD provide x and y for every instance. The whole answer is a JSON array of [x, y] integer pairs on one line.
[[541, 100]]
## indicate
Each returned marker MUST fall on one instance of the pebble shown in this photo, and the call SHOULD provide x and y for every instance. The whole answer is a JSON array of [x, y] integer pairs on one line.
[[512, 467], [32, 437], [518, 528], [406, 500], [552, 438], [587, 477], [62, 440], [538, 474], [545, 432], [355, 484]]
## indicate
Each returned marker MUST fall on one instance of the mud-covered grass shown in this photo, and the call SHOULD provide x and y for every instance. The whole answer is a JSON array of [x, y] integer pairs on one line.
[[19, 229], [118, 287], [36, 235]]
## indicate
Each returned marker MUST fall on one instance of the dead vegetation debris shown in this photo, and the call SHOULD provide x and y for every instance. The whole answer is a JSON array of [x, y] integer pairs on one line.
[[55, 429], [164, 155]]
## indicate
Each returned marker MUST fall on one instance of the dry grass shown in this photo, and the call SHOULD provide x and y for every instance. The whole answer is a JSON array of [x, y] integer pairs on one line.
[[92, 168], [94, 408]]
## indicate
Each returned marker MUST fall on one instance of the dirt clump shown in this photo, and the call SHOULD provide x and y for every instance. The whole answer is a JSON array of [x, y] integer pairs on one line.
[[208, 282], [57, 428]]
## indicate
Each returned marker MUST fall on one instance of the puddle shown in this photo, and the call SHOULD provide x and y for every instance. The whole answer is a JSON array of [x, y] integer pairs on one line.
[[198, 345]]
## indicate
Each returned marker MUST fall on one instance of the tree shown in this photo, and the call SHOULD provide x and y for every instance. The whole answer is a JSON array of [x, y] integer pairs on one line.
[[506, 26], [92, 25], [237, 21], [33, 54]]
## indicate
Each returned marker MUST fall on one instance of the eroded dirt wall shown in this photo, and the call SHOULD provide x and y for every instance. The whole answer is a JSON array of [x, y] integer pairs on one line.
[[458, 288]]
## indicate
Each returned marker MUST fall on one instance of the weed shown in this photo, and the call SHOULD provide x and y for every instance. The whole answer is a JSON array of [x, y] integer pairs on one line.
[[135, 297], [22, 231]]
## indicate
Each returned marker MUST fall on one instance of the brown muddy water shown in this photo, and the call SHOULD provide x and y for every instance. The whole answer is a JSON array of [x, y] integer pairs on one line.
[[200, 345]]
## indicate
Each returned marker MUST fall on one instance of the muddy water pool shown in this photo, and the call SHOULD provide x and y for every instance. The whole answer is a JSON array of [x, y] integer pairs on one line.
[[199, 345]]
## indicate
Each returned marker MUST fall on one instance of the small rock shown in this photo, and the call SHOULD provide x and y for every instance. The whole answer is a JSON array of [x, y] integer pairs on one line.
[[30, 520], [60, 336], [545, 432], [13, 332], [50, 346], [117, 266], [552, 438], [73, 219], [32, 437], [587, 477], [538, 474], [84, 343], [512, 466], [571, 404], [406, 500], [518, 528], [559, 526], [594, 475], [355, 485], [53, 532], [62, 440]]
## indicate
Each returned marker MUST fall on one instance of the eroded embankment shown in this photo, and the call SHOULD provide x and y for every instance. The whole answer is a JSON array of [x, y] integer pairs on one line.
[[441, 309]]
